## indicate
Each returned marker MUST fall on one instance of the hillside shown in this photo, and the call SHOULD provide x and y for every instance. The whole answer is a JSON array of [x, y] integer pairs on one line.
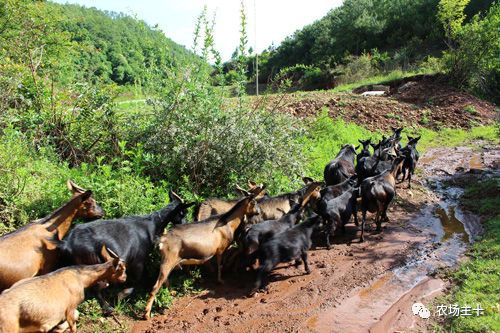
[[117, 47], [396, 35]]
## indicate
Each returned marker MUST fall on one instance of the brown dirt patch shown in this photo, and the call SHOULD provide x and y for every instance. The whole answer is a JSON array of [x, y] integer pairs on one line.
[[427, 102]]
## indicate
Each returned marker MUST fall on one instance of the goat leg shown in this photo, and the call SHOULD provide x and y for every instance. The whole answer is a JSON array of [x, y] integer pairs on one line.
[[71, 320], [304, 259], [165, 270], [363, 221], [219, 269]]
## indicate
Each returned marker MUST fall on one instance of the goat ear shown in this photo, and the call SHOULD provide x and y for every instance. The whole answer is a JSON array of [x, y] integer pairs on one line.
[[73, 187], [417, 138], [86, 195], [307, 180], [251, 184], [357, 147], [174, 197]]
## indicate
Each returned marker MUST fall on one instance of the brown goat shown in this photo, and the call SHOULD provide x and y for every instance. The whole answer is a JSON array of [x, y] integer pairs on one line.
[[39, 304], [31, 250], [377, 193], [195, 243], [214, 206], [273, 208]]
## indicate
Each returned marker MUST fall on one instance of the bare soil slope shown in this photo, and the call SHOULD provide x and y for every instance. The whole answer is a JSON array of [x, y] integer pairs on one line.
[[424, 102]]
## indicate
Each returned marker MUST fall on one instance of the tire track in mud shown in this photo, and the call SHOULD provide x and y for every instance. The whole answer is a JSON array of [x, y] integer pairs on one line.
[[354, 287]]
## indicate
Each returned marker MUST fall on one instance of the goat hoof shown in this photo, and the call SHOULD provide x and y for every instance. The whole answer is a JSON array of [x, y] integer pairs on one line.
[[361, 240], [221, 281], [308, 272]]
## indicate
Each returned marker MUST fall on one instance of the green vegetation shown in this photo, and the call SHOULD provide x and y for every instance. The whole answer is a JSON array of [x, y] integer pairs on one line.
[[478, 280]]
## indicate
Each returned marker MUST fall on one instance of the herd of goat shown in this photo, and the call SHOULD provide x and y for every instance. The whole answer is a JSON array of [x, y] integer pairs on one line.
[[45, 267]]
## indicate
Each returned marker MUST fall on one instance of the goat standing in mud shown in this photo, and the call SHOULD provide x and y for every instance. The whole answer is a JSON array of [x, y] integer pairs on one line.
[[291, 244], [337, 212], [31, 250], [377, 193], [132, 238], [39, 304], [195, 243], [411, 158], [342, 167], [259, 233]]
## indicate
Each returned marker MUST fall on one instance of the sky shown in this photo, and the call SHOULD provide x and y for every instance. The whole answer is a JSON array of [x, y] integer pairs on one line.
[[276, 19]]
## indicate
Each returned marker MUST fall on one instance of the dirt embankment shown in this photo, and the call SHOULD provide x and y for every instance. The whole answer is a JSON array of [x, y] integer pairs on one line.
[[425, 102], [354, 287]]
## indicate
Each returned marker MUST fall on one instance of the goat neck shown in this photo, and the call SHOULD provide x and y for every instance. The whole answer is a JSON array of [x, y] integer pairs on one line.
[[60, 220]]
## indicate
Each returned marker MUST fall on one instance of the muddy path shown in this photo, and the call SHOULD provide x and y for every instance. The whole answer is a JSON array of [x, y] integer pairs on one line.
[[353, 287]]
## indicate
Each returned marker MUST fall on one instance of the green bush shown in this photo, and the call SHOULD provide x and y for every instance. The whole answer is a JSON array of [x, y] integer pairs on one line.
[[473, 59], [33, 183]]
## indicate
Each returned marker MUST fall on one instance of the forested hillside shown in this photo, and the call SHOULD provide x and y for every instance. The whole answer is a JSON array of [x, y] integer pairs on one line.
[[92, 45], [365, 36]]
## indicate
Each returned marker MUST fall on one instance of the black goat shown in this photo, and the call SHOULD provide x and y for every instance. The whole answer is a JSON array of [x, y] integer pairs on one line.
[[365, 152], [377, 193], [131, 238], [261, 232], [333, 191], [291, 244], [342, 167], [411, 157], [337, 212]]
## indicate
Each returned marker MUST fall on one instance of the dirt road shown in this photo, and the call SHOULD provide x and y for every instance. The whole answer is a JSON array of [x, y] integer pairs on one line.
[[354, 287]]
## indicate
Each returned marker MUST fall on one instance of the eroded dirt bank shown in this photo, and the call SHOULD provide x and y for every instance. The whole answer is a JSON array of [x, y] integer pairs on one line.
[[354, 287]]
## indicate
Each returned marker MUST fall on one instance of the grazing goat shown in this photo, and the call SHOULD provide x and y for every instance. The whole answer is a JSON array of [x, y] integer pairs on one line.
[[337, 212], [39, 304], [272, 208], [31, 250], [259, 233], [411, 157], [289, 245], [195, 243], [342, 167], [377, 193], [214, 206], [132, 238]]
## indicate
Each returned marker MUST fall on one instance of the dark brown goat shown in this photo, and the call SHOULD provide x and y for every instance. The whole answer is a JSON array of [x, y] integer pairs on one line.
[[195, 243], [39, 304], [31, 250], [377, 193]]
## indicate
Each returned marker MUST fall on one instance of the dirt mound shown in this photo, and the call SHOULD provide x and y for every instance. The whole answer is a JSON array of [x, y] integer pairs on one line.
[[425, 102]]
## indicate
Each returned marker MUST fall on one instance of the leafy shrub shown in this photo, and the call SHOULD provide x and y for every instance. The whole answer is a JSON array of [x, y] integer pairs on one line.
[[472, 60], [356, 68], [33, 183], [205, 144]]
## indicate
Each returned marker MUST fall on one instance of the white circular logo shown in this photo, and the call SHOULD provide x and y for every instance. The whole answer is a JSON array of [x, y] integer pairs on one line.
[[420, 310]]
